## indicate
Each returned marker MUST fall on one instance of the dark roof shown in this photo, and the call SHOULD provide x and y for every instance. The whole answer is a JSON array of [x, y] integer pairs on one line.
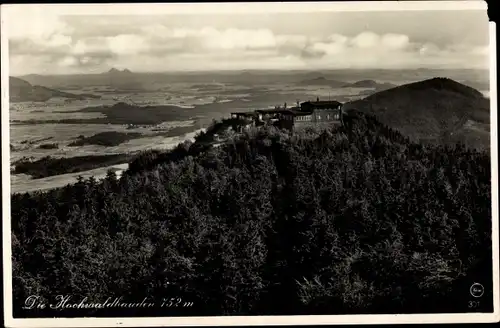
[[273, 111], [289, 111], [296, 111], [321, 104], [302, 113]]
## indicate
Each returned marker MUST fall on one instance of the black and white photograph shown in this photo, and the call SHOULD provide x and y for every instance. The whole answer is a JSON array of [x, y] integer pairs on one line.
[[249, 163]]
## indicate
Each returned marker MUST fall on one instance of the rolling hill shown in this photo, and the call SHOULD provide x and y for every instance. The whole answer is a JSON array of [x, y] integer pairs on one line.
[[114, 78], [437, 109], [322, 81], [370, 84], [21, 90]]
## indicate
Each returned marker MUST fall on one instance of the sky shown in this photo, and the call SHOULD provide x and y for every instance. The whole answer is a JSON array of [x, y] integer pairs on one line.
[[47, 42]]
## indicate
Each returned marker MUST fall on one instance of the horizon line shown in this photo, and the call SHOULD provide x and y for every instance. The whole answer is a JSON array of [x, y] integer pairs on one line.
[[257, 70]]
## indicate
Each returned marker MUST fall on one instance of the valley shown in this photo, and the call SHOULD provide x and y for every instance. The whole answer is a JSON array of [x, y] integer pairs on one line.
[[164, 109]]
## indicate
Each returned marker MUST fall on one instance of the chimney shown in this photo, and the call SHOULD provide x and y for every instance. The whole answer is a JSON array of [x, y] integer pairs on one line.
[[317, 99], [284, 105]]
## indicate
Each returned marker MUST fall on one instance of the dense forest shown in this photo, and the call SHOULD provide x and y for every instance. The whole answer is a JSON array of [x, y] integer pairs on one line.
[[356, 219]]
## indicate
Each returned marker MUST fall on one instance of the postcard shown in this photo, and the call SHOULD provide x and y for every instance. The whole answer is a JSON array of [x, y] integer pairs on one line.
[[229, 164]]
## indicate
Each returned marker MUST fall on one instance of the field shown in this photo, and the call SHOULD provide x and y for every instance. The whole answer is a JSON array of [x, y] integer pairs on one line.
[[47, 166], [182, 108], [163, 108]]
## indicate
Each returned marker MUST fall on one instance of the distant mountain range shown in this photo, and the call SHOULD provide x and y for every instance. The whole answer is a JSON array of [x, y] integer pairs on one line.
[[114, 78], [126, 80], [117, 72], [371, 84], [121, 79], [437, 109], [21, 90], [322, 81]]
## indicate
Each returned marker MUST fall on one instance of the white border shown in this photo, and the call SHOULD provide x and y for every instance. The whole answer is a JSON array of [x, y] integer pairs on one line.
[[494, 169], [246, 8], [234, 8]]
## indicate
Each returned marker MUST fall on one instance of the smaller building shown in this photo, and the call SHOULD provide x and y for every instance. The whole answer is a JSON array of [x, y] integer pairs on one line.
[[243, 115], [271, 114], [243, 120]]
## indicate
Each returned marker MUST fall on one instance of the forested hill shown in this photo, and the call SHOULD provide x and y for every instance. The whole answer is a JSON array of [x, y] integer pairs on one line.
[[357, 219], [436, 110]]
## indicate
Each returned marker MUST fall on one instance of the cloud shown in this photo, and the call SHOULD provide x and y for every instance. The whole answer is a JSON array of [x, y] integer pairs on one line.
[[365, 40], [480, 51], [395, 41], [35, 25], [210, 38], [38, 28], [68, 61], [238, 39], [58, 46], [367, 44], [127, 44], [90, 45], [325, 48], [428, 49]]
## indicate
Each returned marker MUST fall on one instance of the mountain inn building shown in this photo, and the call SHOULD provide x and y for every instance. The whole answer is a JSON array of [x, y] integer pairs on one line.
[[307, 114]]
